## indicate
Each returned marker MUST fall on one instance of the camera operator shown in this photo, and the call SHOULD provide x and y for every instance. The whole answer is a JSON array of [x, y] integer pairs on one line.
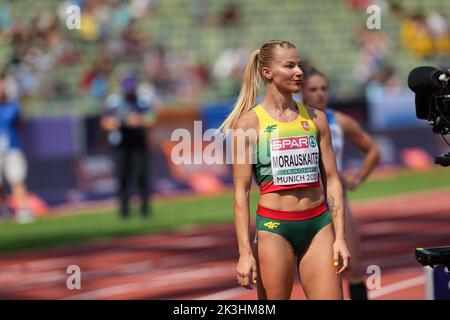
[[127, 120]]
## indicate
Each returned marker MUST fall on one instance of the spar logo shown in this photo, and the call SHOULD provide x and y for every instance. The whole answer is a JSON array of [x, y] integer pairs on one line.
[[305, 125], [289, 143]]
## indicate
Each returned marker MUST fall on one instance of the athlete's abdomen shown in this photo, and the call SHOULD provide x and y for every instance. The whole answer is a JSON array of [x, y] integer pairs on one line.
[[298, 199]]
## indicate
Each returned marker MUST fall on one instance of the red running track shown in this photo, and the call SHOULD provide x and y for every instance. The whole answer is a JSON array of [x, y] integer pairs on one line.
[[199, 263]]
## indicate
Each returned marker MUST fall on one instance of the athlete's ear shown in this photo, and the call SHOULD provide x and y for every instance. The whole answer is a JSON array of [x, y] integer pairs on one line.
[[266, 73]]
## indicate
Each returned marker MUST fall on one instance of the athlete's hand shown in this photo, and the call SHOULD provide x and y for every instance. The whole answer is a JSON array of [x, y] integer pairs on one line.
[[341, 256], [351, 183], [246, 270]]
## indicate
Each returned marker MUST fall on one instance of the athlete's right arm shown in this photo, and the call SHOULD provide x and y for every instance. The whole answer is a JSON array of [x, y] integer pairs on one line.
[[365, 143], [243, 140]]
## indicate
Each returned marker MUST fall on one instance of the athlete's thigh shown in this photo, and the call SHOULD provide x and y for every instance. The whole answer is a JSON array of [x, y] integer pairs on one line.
[[15, 167], [354, 273], [276, 260], [259, 286], [316, 269]]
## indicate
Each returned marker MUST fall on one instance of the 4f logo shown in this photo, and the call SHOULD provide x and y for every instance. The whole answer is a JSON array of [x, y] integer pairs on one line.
[[272, 225], [269, 129]]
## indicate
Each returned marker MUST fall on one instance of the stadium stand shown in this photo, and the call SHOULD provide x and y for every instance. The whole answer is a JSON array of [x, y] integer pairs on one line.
[[189, 36]]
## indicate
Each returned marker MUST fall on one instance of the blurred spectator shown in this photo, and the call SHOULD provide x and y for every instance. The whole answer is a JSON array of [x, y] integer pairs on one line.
[[364, 4], [154, 63], [102, 13], [41, 50], [397, 10], [188, 78], [440, 32], [6, 19], [13, 166], [127, 119], [132, 39], [95, 79], [383, 80], [358, 4], [416, 37], [437, 23], [142, 8], [230, 63], [91, 29], [374, 48], [231, 15], [121, 16], [201, 12]]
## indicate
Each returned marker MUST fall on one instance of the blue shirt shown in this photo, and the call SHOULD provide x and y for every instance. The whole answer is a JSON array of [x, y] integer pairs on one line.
[[9, 116], [337, 138]]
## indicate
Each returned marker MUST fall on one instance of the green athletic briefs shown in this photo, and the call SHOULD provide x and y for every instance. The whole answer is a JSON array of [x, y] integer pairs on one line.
[[298, 233]]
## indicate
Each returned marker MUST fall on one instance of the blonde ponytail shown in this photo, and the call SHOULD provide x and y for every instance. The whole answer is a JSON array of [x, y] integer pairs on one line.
[[248, 94]]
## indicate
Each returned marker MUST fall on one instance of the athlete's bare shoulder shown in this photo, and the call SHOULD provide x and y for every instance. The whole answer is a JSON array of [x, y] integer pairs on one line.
[[317, 116], [342, 118], [248, 121], [347, 123]]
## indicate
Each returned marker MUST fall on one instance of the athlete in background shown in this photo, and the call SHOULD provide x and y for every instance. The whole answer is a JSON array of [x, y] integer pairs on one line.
[[315, 94]]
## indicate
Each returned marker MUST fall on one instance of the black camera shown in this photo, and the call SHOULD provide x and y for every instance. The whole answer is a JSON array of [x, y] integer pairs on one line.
[[432, 89], [434, 256]]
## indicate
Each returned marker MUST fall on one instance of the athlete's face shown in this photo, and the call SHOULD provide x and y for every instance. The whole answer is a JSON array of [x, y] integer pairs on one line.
[[285, 72], [315, 92]]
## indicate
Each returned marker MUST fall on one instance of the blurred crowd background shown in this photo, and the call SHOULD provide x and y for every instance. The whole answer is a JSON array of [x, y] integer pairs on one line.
[[189, 57]]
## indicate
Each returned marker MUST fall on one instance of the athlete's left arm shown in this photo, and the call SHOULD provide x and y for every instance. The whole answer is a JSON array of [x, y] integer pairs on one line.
[[365, 143], [333, 187]]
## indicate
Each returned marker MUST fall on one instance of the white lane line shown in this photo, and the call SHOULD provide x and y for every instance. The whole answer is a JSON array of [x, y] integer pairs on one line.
[[394, 287], [17, 278], [389, 261], [188, 276], [401, 210], [397, 286], [375, 228], [49, 264], [407, 196], [45, 279]]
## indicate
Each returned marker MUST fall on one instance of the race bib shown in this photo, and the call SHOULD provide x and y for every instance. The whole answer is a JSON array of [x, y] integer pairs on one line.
[[294, 160]]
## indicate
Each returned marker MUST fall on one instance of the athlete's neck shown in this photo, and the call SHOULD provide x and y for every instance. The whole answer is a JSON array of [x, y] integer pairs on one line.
[[278, 102]]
